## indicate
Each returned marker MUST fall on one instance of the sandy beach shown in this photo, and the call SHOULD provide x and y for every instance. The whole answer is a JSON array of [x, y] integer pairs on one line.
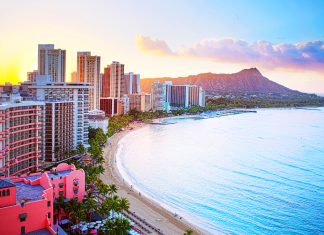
[[144, 207]]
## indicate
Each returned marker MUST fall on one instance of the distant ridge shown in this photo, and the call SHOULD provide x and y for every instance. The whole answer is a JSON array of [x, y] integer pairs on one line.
[[247, 81]]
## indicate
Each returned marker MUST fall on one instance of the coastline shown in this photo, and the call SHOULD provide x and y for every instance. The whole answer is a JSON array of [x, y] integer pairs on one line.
[[143, 206]]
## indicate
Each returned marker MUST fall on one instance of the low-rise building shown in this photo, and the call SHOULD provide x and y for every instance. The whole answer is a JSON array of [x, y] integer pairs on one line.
[[98, 119], [26, 206], [26, 202]]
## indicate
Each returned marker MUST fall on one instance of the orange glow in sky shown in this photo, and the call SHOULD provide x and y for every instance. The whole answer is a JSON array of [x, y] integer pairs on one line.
[[181, 45]]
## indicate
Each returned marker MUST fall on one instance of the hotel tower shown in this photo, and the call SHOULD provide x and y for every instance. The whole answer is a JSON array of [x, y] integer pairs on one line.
[[51, 62], [88, 70]]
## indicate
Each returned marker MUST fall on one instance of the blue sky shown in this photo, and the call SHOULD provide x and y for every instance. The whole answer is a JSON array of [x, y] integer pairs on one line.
[[110, 29]]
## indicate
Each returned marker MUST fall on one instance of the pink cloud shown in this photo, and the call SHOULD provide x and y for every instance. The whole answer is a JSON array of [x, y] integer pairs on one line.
[[154, 46], [301, 56]]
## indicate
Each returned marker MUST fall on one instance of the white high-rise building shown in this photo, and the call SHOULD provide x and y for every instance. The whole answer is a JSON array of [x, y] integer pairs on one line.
[[51, 62], [159, 95], [89, 71], [66, 114]]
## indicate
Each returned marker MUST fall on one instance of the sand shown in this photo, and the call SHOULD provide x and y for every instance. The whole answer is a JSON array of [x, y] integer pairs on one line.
[[144, 207]]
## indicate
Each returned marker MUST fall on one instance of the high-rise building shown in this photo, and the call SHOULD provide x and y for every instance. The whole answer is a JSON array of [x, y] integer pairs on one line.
[[109, 106], [31, 76], [51, 62], [185, 96], [132, 83], [117, 80], [21, 136], [105, 84], [159, 95], [89, 71], [166, 96], [123, 105], [101, 77], [66, 114], [140, 102], [136, 87]]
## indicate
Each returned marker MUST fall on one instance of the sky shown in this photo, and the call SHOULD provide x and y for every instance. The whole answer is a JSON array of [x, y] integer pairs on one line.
[[283, 39]]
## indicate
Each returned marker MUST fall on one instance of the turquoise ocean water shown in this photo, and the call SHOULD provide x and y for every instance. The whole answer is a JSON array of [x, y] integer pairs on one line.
[[252, 173]]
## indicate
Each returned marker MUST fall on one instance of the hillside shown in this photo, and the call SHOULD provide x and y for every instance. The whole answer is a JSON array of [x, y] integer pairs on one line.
[[247, 81]]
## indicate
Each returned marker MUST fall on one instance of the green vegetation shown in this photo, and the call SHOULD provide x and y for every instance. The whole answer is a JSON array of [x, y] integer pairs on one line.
[[118, 122], [100, 199], [216, 103], [188, 232]]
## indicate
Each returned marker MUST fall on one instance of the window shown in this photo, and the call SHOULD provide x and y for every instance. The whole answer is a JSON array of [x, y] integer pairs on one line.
[[48, 203], [22, 217], [22, 230], [61, 185], [75, 191], [61, 193], [4, 193], [49, 215], [8, 192]]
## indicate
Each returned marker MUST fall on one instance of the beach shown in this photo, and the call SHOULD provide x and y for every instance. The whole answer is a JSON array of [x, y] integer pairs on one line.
[[143, 207]]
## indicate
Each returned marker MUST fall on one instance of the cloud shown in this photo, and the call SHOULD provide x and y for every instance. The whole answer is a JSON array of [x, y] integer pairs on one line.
[[301, 56], [153, 46]]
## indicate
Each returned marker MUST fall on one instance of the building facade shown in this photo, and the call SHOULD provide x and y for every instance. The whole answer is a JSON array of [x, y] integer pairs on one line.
[[31, 76], [109, 106], [51, 62], [26, 206], [97, 119], [132, 83], [105, 84], [140, 102], [160, 93], [66, 115], [26, 202], [21, 136], [186, 96], [88, 70], [117, 80]]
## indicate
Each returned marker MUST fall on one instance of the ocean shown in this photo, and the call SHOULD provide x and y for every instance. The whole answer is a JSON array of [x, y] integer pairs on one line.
[[250, 173]]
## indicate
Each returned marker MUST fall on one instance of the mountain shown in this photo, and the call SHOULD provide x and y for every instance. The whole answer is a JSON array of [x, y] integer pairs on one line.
[[247, 81]]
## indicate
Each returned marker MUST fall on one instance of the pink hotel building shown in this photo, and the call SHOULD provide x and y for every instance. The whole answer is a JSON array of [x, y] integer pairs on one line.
[[26, 202], [21, 132]]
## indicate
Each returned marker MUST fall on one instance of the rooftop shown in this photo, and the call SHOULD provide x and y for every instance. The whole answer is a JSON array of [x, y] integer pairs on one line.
[[50, 175], [59, 174], [6, 184], [28, 192]]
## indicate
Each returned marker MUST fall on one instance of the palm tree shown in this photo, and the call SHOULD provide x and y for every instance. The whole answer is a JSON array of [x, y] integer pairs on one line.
[[124, 204], [105, 207], [58, 205], [77, 211], [114, 205], [188, 232], [112, 189], [122, 226], [90, 206], [80, 149]]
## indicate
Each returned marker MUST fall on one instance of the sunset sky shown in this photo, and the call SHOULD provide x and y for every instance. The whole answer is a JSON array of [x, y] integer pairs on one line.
[[284, 39]]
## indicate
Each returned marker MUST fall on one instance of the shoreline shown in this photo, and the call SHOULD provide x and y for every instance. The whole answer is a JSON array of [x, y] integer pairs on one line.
[[143, 206]]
